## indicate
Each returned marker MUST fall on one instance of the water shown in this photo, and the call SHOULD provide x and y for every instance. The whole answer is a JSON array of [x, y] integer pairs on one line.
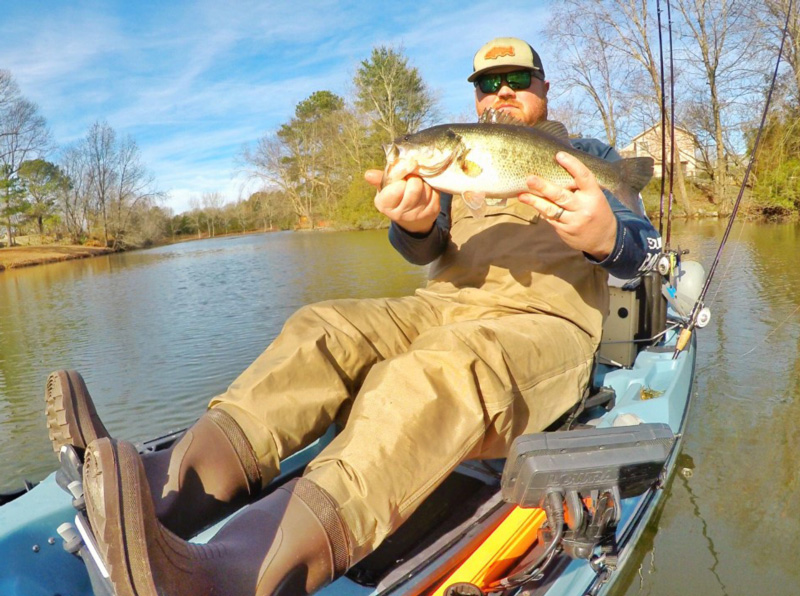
[[157, 333], [730, 524]]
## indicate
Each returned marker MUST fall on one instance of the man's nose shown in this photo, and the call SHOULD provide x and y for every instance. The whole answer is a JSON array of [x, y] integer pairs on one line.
[[506, 91]]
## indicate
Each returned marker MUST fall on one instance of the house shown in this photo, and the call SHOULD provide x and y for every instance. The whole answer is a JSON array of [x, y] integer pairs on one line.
[[648, 143]]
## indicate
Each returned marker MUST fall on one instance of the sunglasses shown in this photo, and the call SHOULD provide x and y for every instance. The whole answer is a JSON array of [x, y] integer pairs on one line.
[[491, 82]]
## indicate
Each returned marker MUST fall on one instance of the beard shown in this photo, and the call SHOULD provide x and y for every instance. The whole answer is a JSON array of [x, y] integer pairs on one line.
[[528, 113]]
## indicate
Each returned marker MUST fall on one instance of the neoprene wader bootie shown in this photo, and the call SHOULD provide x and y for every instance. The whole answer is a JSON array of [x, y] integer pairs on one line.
[[291, 542], [205, 475]]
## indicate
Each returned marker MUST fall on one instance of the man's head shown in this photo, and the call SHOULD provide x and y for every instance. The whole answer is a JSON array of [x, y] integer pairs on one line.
[[509, 77]]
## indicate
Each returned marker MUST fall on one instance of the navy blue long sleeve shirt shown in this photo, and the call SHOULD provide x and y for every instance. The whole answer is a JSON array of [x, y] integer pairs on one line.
[[636, 249]]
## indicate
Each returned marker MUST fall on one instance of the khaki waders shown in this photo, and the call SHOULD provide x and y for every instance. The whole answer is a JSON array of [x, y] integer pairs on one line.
[[500, 343]]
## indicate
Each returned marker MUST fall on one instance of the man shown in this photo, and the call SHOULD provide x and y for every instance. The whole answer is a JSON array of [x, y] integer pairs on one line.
[[499, 343]]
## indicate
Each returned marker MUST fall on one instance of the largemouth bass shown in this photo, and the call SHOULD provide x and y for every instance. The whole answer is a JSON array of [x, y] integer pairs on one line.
[[489, 161]]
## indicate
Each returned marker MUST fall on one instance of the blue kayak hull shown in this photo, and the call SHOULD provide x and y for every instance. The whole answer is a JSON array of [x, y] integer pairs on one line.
[[33, 562]]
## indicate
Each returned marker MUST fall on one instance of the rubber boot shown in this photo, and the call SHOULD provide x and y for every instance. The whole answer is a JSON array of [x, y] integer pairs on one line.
[[291, 542], [71, 416], [204, 476]]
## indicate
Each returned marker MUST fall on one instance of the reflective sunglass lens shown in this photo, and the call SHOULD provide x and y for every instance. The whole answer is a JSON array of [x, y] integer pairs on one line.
[[518, 80], [490, 83]]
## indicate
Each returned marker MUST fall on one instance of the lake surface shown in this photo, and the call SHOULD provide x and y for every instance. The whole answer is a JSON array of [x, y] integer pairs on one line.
[[157, 333]]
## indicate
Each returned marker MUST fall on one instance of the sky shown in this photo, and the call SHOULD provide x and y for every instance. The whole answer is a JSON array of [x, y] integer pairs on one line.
[[193, 82]]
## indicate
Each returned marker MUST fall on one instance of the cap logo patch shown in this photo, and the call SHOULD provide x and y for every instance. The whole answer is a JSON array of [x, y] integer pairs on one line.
[[499, 52]]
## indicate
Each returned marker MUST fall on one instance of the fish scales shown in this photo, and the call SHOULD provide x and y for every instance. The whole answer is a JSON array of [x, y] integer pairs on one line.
[[493, 160]]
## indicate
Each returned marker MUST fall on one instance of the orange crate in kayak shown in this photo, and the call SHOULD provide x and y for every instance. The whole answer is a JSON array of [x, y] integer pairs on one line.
[[511, 540]]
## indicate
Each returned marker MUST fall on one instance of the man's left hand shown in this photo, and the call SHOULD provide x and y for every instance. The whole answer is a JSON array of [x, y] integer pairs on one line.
[[579, 211]]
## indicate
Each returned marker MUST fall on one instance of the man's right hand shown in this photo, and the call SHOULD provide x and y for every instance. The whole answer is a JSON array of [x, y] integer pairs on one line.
[[411, 203]]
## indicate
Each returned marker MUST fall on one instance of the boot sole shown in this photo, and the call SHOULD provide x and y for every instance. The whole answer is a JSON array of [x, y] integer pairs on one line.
[[115, 504], [71, 415]]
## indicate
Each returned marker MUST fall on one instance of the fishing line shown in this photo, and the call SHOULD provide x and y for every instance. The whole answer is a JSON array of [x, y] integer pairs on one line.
[[731, 261], [768, 335], [663, 122], [699, 304], [749, 165], [671, 127]]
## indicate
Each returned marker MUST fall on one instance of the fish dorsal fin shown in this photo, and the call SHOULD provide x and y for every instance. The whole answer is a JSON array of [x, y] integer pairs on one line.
[[492, 116], [554, 128]]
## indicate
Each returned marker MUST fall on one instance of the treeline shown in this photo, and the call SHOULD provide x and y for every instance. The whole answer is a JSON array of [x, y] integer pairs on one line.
[[603, 60], [607, 83], [315, 162], [310, 169], [97, 189]]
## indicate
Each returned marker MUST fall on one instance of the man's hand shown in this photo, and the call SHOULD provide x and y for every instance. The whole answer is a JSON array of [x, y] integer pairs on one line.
[[412, 203], [579, 211]]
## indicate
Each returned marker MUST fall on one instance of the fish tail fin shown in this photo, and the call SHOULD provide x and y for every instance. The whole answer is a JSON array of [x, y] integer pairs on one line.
[[634, 174]]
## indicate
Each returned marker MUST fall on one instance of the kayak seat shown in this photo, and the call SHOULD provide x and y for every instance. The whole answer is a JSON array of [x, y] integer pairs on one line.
[[637, 313]]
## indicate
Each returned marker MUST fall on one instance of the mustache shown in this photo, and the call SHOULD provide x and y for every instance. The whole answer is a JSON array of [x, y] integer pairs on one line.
[[506, 102]]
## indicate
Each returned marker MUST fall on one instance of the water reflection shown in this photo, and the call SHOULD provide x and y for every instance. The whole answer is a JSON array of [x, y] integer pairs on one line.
[[733, 523], [156, 333]]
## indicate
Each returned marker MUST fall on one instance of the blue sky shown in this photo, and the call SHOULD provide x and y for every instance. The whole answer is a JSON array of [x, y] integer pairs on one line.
[[194, 81]]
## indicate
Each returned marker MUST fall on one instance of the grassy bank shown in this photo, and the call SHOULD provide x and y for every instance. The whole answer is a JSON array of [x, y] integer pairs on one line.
[[26, 256]]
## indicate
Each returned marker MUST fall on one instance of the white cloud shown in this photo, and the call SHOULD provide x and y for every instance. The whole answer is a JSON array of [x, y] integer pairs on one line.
[[194, 81]]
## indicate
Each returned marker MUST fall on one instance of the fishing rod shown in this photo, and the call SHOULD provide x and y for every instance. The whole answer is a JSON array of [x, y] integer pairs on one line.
[[663, 122], [671, 127], [699, 310]]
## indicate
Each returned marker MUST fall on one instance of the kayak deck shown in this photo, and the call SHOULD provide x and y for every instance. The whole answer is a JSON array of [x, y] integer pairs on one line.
[[451, 523]]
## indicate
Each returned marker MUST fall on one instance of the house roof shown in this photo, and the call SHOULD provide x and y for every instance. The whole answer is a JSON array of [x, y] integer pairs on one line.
[[655, 126]]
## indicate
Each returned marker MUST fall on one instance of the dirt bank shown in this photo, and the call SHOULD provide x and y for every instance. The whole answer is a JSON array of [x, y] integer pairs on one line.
[[25, 256]]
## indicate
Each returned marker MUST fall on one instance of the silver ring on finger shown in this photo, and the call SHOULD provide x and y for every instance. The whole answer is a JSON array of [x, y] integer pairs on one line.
[[557, 216]]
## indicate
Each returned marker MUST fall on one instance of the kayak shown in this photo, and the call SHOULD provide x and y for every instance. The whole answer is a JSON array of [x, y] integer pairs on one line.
[[561, 515]]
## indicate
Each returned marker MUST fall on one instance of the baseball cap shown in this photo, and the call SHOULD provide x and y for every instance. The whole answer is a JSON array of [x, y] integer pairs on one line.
[[506, 51]]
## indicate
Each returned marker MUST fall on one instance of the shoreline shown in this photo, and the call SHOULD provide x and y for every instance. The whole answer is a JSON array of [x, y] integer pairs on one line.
[[17, 257]]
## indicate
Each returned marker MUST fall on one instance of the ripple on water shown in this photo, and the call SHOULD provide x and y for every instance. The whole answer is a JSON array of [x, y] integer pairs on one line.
[[157, 333]]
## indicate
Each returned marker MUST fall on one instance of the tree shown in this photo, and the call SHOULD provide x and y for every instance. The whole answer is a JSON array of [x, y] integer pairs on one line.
[[212, 206], [720, 45], [271, 208], [23, 135], [196, 215], [591, 64], [116, 180], [305, 159], [776, 173], [100, 152], [627, 28], [43, 182], [393, 93], [769, 19], [313, 137], [135, 189], [14, 203], [74, 200]]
